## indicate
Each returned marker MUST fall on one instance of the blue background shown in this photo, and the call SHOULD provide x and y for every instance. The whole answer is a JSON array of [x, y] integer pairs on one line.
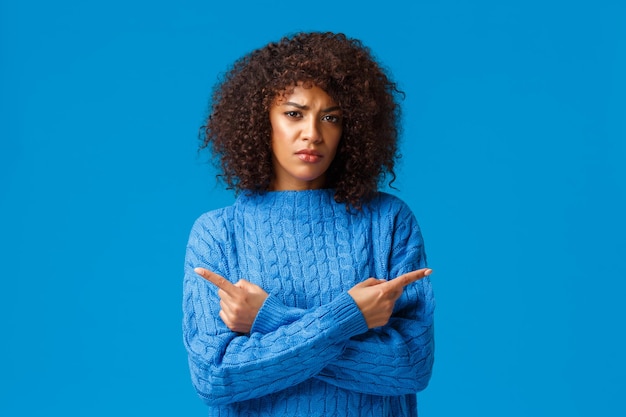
[[514, 157]]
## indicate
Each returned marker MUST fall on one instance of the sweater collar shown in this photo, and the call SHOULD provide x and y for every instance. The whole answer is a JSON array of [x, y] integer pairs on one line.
[[289, 204]]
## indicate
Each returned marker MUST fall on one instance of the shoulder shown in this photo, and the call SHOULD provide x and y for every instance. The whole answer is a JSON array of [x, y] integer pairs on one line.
[[212, 217], [388, 199], [389, 204], [208, 241], [392, 212], [213, 223]]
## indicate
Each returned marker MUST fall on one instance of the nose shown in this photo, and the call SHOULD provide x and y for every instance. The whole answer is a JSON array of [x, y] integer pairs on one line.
[[311, 131]]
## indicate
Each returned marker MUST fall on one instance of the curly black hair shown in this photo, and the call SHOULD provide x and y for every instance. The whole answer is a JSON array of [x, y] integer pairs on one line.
[[238, 127]]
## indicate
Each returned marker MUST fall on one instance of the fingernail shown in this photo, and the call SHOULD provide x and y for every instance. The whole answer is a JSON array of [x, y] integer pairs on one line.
[[428, 272]]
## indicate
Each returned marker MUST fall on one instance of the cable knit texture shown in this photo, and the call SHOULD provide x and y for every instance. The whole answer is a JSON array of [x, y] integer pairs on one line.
[[309, 352]]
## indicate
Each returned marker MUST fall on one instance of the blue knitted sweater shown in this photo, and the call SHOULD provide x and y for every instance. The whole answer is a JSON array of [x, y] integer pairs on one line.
[[309, 352]]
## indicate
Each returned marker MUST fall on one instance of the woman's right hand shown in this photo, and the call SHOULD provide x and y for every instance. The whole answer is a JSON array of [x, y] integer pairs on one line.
[[376, 298], [240, 302]]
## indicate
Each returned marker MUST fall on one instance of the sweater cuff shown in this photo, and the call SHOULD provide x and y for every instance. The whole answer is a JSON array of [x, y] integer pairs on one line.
[[348, 316], [271, 316]]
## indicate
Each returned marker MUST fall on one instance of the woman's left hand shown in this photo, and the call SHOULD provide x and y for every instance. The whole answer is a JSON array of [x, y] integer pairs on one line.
[[240, 303]]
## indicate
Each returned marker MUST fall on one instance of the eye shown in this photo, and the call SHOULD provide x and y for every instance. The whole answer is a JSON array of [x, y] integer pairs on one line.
[[332, 118], [293, 114]]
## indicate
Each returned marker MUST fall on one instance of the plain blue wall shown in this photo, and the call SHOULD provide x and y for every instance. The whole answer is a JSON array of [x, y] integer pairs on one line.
[[514, 162]]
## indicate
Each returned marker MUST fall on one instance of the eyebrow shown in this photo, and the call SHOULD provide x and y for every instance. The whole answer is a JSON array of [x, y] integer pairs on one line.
[[301, 107]]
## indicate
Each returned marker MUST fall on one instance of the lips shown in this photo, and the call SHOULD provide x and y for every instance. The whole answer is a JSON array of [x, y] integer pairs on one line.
[[309, 155]]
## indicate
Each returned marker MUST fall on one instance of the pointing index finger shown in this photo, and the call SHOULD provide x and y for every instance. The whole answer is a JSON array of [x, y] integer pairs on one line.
[[405, 279], [216, 279]]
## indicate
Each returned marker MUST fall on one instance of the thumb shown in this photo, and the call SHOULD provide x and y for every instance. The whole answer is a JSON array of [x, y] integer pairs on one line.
[[249, 287], [243, 284], [370, 282]]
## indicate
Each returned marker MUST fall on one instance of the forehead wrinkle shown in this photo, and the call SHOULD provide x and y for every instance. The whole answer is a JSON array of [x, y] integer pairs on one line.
[[305, 107], [299, 106]]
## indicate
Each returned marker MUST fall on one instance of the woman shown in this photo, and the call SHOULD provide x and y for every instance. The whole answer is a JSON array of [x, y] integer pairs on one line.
[[309, 296]]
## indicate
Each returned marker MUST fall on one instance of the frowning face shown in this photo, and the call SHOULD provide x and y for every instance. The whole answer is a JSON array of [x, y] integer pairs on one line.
[[306, 130]]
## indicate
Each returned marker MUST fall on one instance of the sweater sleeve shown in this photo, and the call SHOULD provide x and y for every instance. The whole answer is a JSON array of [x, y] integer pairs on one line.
[[396, 358], [229, 367]]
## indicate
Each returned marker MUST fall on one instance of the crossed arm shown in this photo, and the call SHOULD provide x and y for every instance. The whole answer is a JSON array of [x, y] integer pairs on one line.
[[241, 302], [403, 346]]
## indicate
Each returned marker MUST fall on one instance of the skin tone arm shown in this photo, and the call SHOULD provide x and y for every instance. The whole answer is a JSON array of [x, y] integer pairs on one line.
[[240, 302]]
